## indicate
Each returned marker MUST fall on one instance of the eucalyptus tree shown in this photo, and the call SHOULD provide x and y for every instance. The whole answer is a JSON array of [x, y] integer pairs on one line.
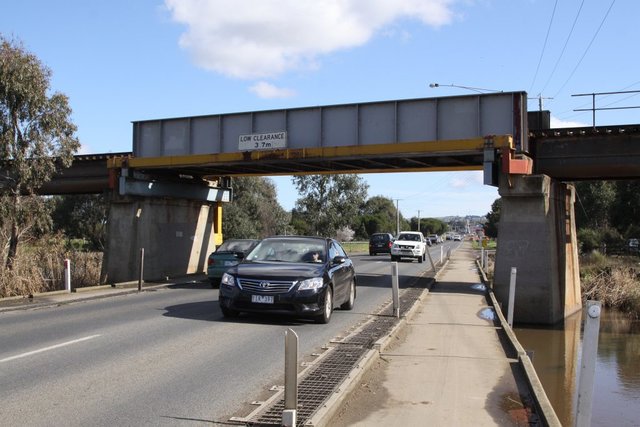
[[493, 218], [328, 202], [254, 211], [379, 215], [37, 138], [594, 201]]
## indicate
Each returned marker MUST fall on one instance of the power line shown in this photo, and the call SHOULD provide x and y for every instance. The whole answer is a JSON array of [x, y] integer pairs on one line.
[[544, 46], [566, 42], [587, 49]]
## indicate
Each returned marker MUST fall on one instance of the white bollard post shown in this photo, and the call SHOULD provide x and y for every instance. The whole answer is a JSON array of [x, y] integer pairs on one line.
[[67, 275], [141, 276], [441, 255], [289, 414], [486, 261], [588, 364], [512, 295], [395, 289], [482, 259]]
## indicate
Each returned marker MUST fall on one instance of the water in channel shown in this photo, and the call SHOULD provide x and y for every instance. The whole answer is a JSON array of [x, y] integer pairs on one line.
[[556, 357]]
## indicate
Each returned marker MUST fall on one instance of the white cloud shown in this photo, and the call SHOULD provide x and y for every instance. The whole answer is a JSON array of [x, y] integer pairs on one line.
[[254, 39], [557, 123], [466, 179], [458, 183], [267, 90]]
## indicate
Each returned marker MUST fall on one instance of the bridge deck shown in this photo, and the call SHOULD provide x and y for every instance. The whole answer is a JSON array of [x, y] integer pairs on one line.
[[450, 155]]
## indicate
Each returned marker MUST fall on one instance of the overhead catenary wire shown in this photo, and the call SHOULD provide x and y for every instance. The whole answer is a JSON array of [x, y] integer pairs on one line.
[[573, 114], [544, 46], [566, 42], [584, 54]]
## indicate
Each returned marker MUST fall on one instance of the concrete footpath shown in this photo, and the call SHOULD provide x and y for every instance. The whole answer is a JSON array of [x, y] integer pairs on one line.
[[451, 364]]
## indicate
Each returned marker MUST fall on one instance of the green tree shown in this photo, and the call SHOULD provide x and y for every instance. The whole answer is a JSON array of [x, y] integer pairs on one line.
[[594, 201], [429, 225], [625, 212], [493, 219], [378, 216], [82, 216], [329, 202], [37, 138], [254, 211]]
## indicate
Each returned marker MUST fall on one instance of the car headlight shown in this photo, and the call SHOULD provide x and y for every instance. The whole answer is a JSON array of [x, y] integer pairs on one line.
[[314, 283], [227, 280]]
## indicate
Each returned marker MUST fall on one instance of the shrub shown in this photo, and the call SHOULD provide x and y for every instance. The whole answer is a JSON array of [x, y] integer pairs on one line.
[[588, 240], [613, 281], [39, 267]]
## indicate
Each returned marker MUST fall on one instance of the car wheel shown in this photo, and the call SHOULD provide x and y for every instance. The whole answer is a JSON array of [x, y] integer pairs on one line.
[[371, 253], [327, 308], [215, 283], [424, 256], [229, 312], [348, 305], [420, 259]]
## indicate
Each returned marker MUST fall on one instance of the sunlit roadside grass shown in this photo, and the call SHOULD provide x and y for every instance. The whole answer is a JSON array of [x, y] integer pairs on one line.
[[39, 267], [612, 280], [615, 281], [353, 248]]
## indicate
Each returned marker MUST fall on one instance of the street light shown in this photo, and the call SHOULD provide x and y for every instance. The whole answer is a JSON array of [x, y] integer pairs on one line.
[[475, 89], [397, 217]]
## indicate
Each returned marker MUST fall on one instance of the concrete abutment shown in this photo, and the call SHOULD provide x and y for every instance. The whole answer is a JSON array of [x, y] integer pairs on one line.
[[177, 236], [537, 235]]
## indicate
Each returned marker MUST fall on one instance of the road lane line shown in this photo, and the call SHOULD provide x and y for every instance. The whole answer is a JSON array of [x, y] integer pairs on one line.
[[53, 347]]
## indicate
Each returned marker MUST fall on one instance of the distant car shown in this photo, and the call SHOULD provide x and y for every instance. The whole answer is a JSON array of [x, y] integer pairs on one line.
[[380, 243], [457, 238], [294, 275], [409, 244], [633, 245], [434, 239], [228, 254]]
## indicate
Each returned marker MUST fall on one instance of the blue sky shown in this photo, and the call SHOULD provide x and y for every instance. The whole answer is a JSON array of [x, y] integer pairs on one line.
[[123, 61]]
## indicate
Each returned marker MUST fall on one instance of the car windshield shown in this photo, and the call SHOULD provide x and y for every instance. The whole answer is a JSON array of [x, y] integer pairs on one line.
[[378, 238], [289, 250], [414, 237], [236, 246]]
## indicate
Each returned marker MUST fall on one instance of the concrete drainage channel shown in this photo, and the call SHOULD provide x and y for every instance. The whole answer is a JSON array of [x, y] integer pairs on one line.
[[321, 380]]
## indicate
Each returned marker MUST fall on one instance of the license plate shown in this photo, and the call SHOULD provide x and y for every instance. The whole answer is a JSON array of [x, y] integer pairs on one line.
[[262, 299]]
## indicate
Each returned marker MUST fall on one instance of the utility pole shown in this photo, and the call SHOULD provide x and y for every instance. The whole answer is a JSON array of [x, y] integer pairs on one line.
[[397, 217], [540, 102], [418, 219]]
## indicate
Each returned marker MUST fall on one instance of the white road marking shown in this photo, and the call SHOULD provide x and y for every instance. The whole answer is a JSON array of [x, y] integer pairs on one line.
[[53, 347]]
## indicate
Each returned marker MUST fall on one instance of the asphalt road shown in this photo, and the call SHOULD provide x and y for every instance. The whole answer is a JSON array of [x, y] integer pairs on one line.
[[165, 357]]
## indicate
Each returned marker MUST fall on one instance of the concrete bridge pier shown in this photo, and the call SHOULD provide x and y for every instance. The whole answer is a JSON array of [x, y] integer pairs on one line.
[[177, 236], [537, 235]]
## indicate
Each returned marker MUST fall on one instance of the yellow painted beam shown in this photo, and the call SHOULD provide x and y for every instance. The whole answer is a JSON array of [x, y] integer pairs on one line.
[[408, 148], [366, 171]]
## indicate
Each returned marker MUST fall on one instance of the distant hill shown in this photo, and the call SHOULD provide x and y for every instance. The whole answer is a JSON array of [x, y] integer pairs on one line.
[[470, 218]]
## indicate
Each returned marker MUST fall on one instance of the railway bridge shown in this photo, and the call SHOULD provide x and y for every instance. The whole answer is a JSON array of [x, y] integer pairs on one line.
[[168, 193]]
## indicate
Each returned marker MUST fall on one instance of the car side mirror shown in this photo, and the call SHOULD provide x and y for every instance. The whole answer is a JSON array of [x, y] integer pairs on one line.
[[338, 260]]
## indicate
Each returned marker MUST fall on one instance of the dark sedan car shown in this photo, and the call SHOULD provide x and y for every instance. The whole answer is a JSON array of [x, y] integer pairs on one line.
[[380, 243], [227, 255], [296, 275]]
